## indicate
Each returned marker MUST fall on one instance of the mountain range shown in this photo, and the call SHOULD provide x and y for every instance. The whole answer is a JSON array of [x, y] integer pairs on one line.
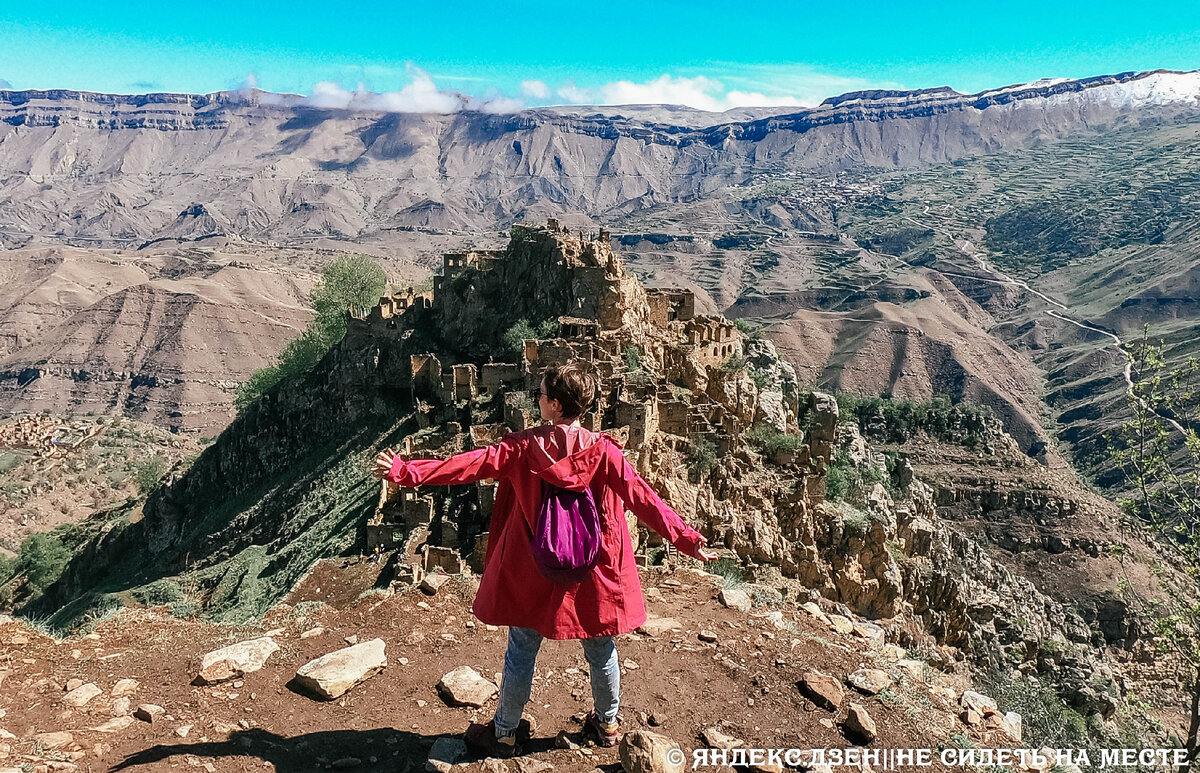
[[159, 246]]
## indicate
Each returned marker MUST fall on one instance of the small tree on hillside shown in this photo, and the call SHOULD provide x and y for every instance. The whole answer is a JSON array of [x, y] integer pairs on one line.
[[351, 284], [1160, 454]]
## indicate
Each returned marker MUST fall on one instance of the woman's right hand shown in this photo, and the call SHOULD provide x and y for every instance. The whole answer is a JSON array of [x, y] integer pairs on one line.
[[383, 463]]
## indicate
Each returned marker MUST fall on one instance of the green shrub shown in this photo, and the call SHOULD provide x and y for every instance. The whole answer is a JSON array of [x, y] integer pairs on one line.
[[855, 523], [751, 330], [158, 593], [1045, 719], [147, 474], [8, 567], [184, 609], [760, 378], [260, 382], [351, 283], [729, 569], [513, 340], [962, 741], [769, 441], [837, 483], [890, 698], [844, 477], [964, 424], [633, 359], [733, 363], [106, 609], [43, 558], [702, 455]]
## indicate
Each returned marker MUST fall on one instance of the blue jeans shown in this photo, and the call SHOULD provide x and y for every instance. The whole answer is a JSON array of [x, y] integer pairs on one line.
[[523, 645]]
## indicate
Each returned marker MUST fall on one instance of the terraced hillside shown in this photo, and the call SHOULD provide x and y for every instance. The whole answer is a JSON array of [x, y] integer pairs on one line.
[[1074, 249]]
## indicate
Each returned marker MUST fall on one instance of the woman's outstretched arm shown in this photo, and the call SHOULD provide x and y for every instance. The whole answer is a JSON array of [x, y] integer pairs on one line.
[[492, 461], [645, 503]]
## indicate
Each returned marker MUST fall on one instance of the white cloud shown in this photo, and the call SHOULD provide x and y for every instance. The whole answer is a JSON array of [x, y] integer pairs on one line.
[[535, 89], [499, 104], [419, 96], [328, 94], [248, 86], [575, 95], [807, 86], [738, 86], [761, 86], [755, 99], [699, 92]]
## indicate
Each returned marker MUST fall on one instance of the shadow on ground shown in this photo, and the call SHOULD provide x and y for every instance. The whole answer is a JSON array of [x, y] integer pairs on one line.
[[391, 749]]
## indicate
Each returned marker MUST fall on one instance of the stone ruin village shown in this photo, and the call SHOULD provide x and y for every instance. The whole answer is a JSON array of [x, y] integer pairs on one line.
[[669, 378]]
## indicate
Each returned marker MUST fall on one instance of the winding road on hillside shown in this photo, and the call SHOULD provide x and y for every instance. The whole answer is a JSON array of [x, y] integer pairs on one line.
[[967, 248]]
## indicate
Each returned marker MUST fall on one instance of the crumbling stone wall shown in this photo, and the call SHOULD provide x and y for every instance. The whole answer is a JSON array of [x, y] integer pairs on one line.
[[667, 306]]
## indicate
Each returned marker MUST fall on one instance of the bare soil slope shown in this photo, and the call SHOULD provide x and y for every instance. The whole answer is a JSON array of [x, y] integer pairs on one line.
[[744, 683]]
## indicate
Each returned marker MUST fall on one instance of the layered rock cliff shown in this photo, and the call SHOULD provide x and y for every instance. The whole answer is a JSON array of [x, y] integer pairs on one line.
[[267, 167]]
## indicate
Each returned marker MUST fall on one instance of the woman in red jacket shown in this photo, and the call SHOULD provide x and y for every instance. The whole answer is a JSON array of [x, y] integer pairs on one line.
[[512, 592]]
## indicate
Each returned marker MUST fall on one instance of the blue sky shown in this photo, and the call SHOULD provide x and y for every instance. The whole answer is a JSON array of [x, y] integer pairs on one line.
[[706, 54]]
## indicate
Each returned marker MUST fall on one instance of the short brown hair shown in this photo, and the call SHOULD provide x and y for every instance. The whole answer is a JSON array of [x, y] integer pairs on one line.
[[573, 385]]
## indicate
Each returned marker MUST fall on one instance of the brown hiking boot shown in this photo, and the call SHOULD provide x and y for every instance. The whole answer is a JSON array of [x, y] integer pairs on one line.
[[481, 740], [604, 734]]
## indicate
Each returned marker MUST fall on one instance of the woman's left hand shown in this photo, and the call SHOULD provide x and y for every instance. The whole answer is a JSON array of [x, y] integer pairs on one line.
[[702, 551], [383, 463]]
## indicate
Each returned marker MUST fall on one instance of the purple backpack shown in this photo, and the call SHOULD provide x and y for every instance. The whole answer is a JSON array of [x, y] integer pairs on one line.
[[566, 539]]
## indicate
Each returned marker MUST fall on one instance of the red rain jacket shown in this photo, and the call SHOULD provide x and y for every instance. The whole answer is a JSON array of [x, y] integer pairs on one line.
[[512, 591]]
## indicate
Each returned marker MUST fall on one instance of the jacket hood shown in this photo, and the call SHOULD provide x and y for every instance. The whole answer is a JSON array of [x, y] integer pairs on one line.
[[576, 470]]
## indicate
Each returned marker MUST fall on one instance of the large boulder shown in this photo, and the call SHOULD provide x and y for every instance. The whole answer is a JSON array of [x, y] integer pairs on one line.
[[771, 410], [823, 690], [860, 728], [235, 660], [464, 686], [645, 752], [331, 676], [823, 413], [870, 680]]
